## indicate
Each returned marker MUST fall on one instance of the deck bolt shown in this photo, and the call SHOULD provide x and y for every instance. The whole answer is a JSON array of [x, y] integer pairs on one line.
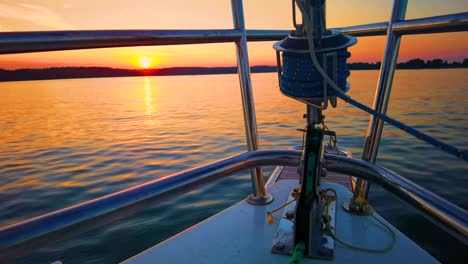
[[279, 245], [294, 192], [323, 251], [289, 214], [324, 172], [324, 240]]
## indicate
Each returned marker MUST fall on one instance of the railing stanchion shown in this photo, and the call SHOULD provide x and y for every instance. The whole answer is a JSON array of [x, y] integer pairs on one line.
[[259, 195], [382, 93]]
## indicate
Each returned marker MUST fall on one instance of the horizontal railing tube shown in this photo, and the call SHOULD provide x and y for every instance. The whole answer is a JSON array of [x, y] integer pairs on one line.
[[162, 187], [443, 213], [36, 41], [437, 24], [266, 35], [447, 215], [367, 30], [40, 41]]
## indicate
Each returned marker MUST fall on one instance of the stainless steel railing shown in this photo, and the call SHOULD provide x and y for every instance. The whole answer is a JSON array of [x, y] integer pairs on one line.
[[436, 24], [443, 213], [387, 69], [452, 218], [38, 41], [382, 93], [447, 215], [259, 195], [162, 188], [21, 42]]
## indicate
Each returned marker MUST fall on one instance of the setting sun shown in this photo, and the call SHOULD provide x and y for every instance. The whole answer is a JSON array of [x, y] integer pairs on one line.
[[145, 62]]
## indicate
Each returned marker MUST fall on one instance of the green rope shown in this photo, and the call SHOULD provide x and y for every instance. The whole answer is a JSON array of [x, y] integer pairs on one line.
[[297, 254]]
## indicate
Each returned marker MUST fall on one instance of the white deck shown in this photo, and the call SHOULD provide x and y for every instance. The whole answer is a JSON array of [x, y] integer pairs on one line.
[[240, 234]]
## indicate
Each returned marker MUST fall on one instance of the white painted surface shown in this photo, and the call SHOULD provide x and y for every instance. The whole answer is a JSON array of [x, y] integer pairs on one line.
[[240, 234]]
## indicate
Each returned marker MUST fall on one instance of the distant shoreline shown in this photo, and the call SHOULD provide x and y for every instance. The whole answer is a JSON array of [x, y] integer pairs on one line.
[[102, 72]]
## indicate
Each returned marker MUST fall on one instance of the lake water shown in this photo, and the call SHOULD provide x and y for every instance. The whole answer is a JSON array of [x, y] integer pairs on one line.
[[67, 141]]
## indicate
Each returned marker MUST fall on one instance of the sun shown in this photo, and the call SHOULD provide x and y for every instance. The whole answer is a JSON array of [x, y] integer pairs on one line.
[[145, 62]]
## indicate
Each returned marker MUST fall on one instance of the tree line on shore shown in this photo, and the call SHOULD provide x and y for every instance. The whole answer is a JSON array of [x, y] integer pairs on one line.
[[413, 64], [95, 72]]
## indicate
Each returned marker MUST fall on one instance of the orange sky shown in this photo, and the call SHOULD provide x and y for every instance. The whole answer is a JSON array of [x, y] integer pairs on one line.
[[17, 15]]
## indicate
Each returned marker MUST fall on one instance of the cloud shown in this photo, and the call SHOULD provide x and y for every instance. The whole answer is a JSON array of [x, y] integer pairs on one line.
[[35, 14]]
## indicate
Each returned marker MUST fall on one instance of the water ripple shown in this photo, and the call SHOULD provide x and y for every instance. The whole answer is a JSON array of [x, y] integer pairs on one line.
[[66, 141]]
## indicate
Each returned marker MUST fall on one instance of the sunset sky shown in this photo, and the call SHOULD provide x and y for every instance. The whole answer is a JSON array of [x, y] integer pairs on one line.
[[33, 15]]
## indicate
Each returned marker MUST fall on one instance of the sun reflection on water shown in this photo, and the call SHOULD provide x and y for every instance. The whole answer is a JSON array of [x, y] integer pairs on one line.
[[148, 95]]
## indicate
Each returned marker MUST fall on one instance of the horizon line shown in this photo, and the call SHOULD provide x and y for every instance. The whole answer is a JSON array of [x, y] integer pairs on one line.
[[232, 66], [461, 60]]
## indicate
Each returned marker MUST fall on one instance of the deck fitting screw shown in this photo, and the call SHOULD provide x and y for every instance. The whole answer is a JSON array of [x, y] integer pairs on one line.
[[279, 245], [324, 240], [289, 214], [295, 192], [324, 172], [323, 251]]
